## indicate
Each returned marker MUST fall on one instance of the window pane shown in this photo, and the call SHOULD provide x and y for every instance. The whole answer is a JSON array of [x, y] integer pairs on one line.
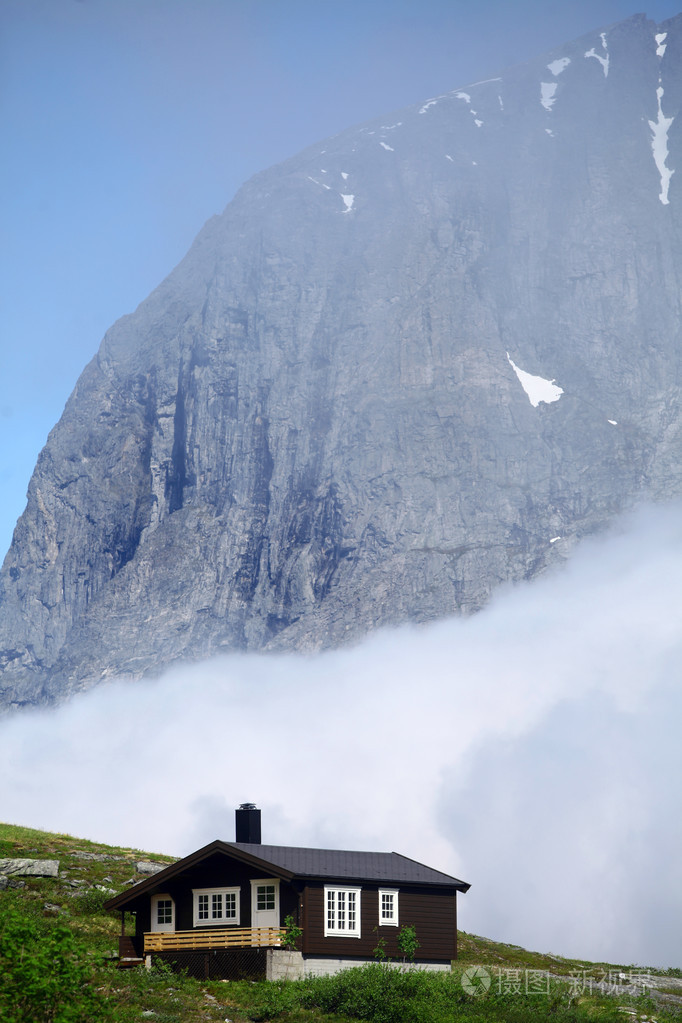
[[230, 906], [164, 911], [265, 896], [217, 906], [203, 907]]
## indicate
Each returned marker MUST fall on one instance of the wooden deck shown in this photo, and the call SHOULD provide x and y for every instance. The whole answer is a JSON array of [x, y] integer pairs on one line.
[[212, 938]]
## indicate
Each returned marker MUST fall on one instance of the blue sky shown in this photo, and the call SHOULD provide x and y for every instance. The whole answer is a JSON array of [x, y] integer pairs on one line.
[[127, 123]]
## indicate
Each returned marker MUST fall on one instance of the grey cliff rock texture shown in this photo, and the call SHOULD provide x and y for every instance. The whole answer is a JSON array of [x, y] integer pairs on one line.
[[29, 868], [323, 421]]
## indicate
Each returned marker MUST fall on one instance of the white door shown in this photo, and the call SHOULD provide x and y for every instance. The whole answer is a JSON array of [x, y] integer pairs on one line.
[[265, 902], [163, 913]]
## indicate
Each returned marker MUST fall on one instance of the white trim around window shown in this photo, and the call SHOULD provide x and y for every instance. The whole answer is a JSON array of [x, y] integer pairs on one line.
[[163, 913], [341, 912], [213, 907], [388, 907]]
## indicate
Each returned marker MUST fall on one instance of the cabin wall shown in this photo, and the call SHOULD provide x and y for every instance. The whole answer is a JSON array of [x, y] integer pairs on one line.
[[290, 902], [211, 873], [214, 872], [143, 919], [433, 914]]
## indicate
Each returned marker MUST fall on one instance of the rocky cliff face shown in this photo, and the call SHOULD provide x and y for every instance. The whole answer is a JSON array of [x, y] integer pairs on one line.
[[415, 361]]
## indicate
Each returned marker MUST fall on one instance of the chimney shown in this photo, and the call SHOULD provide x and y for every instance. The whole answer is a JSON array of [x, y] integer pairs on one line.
[[247, 823]]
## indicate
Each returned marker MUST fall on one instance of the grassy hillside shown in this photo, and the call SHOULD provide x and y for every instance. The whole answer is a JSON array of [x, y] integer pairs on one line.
[[57, 965]]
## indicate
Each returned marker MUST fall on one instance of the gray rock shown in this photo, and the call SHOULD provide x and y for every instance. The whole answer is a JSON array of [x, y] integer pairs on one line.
[[147, 867], [4, 882], [96, 857], [314, 426], [29, 868]]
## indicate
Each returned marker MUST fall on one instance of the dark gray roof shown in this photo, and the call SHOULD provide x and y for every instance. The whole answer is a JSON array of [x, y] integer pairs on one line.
[[348, 865], [290, 862]]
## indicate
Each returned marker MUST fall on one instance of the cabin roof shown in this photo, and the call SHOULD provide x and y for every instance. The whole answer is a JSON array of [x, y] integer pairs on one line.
[[348, 865], [291, 862]]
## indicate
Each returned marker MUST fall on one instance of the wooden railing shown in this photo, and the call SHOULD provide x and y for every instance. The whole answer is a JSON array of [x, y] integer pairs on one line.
[[213, 937]]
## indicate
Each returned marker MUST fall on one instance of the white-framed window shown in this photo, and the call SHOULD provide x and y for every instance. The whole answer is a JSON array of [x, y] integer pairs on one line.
[[265, 896], [342, 912], [388, 907], [163, 913], [215, 906]]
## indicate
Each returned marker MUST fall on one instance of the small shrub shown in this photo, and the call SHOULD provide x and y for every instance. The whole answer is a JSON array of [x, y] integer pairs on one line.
[[291, 937], [375, 992], [90, 903], [274, 999], [408, 942]]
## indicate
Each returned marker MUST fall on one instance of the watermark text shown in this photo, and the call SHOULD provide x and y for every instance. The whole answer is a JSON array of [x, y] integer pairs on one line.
[[477, 981]]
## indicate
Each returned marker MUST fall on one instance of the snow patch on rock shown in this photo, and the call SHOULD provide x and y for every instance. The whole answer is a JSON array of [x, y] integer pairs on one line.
[[659, 147], [557, 66], [537, 388], [322, 184], [603, 60], [547, 97]]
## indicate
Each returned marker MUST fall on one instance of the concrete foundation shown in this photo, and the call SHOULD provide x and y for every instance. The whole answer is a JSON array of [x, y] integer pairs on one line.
[[322, 966], [283, 964]]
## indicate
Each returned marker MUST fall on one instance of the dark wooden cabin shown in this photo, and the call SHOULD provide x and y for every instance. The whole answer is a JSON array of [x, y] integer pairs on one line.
[[239, 894]]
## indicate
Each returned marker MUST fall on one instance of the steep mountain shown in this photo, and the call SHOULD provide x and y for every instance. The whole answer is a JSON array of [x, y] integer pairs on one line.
[[412, 363]]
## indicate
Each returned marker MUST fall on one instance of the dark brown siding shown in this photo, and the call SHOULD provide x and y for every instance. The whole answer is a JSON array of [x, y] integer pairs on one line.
[[213, 872], [288, 902], [432, 913], [434, 917], [142, 924]]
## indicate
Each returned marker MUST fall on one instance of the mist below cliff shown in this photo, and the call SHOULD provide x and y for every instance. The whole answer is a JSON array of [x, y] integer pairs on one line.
[[532, 750]]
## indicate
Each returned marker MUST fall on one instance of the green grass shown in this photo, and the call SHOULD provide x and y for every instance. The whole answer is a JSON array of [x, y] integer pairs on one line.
[[495, 954], [56, 940], [377, 994]]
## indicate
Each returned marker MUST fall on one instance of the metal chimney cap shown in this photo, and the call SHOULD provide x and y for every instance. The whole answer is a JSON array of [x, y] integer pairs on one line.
[[248, 806]]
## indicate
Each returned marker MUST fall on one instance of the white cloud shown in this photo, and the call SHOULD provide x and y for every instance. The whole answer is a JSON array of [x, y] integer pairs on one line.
[[530, 750]]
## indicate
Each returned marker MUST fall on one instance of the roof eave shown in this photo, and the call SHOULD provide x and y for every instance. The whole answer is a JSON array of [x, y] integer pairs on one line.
[[461, 886]]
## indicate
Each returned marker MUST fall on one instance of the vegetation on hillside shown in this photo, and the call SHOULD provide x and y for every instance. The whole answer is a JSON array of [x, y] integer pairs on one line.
[[57, 965]]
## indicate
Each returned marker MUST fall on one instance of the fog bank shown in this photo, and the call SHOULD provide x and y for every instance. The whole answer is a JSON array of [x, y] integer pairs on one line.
[[532, 750]]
